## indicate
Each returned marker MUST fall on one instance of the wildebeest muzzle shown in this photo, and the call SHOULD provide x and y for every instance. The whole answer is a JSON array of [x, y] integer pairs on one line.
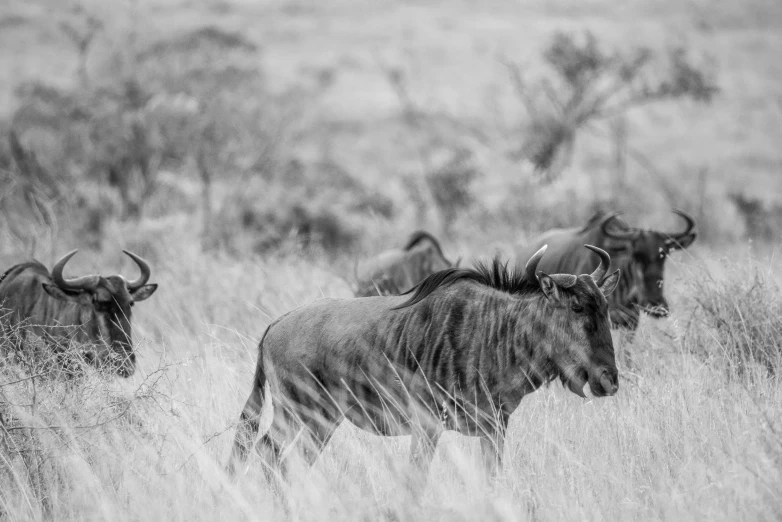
[[657, 309], [606, 384]]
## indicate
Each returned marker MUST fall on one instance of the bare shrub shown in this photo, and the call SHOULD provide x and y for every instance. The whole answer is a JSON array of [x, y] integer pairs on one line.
[[589, 84], [445, 188]]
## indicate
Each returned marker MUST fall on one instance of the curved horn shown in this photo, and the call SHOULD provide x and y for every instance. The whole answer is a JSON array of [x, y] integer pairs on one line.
[[531, 267], [690, 224], [628, 234], [602, 268], [143, 266], [77, 284]]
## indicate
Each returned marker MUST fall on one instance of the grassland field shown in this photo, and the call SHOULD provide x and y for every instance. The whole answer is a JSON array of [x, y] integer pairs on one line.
[[694, 432]]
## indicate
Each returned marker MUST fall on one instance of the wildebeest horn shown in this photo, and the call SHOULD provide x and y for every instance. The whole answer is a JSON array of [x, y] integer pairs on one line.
[[624, 234], [143, 266], [690, 224], [602, 268], [532, 265], [77, 284]]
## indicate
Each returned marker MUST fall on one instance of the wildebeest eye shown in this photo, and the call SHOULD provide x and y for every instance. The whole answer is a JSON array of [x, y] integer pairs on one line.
[[577, 308]]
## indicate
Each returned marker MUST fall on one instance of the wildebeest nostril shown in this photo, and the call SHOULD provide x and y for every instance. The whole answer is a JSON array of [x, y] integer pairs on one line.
[[608, 382]]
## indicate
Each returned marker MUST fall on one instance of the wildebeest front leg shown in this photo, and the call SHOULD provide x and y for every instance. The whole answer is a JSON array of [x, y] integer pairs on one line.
[[422, 448], [318, 430], [299, 436], [492, 447], [493, 444]]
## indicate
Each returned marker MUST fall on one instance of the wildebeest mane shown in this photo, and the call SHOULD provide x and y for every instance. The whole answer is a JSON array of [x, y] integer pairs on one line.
[[494, 274], [28, 264], [421, 235]]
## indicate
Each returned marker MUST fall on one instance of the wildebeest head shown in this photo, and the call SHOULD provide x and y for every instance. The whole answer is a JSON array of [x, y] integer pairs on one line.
[[109, 300], [582, 347], [643, 254]]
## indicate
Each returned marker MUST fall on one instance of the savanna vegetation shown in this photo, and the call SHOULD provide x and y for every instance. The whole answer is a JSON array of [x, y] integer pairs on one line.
[[252, 151]]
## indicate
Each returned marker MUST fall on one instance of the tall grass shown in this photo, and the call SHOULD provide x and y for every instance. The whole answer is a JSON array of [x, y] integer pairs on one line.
[[683, 439]]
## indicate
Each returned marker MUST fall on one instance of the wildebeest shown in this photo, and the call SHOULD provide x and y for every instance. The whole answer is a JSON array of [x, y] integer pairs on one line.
[[639, 254], [394, 272], [458, 354], [92, 309]]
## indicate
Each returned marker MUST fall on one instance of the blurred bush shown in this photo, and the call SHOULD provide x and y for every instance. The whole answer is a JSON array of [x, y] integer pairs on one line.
[[319, 205], [588, 84], [762, 221], [451, 187], [27, 190], [188, 125], [191, 109]]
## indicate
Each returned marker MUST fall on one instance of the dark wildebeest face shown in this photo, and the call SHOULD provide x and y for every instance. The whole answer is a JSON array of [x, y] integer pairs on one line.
[[581, 324], [110, 300], [643, 253]]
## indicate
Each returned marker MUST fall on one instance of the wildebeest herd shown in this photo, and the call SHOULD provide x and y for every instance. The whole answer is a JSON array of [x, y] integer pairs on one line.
[[424, 347]]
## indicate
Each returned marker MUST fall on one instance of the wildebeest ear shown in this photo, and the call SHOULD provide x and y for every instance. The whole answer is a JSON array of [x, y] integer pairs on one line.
[[609, 283], [549, 287], [681, 242], [143, 292], [82, 298]]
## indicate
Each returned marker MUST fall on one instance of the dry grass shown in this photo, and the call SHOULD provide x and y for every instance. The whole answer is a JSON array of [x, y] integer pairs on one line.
[[682, 439]]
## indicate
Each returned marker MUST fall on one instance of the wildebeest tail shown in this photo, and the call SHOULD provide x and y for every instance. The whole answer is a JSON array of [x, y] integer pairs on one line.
[[250, 419]]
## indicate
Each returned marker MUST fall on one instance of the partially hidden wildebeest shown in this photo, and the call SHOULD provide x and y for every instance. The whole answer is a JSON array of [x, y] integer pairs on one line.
[[396, 271], [458, 354], [639, 254], [91, 310]]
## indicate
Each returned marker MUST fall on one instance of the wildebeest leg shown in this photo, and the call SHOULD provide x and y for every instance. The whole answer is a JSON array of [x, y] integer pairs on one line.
[[297, 432], [249, 422], [292, 436], [318, 432], [422, 448], [493, 444]]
